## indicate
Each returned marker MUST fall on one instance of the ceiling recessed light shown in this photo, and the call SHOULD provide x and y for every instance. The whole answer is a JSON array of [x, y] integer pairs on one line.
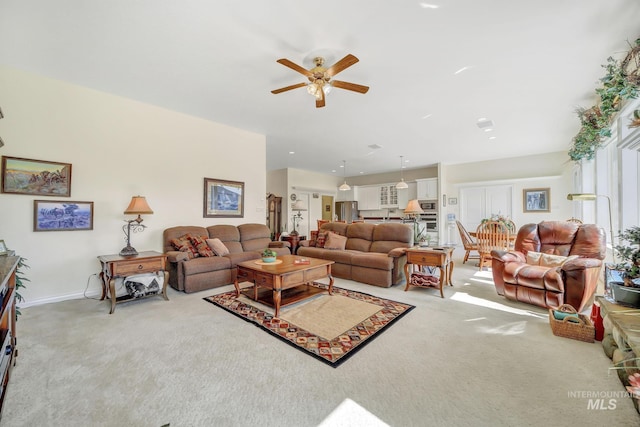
[[427, 116], [428, 5], [292, 152], [333, 171], [484, 123], [375, 146], [488, 130], [492, 137]]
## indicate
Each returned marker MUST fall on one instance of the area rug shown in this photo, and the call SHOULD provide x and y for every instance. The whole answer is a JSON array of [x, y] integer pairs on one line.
[[330, 328]]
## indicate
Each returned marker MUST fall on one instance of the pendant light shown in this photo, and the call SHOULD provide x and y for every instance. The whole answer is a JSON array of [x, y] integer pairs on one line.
[[345, 186], [401, 185]]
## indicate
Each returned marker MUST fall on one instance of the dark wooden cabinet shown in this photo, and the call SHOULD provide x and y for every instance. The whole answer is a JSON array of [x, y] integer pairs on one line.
[[8, 267], [274, 216]]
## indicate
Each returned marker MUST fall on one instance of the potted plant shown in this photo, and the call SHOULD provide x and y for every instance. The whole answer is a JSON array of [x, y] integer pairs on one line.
[[629, 252], [269, 255]]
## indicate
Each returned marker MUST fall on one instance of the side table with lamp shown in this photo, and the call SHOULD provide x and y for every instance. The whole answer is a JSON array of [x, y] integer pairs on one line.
[[129, 262]]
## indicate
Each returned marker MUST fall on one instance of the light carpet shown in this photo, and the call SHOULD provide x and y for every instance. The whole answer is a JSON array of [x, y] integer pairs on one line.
[[470, 359], [330, 328]]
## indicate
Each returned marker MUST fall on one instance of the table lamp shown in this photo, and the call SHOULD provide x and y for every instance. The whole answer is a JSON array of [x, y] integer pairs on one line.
[[138, 206], [297, 206]]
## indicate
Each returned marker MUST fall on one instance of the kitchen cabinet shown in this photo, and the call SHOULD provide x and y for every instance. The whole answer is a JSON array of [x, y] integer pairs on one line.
[[368, 198], [427, 189], [388, 196]]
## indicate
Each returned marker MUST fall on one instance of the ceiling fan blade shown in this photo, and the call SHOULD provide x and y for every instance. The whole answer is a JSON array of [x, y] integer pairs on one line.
[[295, 67], [345, 62], [320, 101], [284, 89], [350, 86]]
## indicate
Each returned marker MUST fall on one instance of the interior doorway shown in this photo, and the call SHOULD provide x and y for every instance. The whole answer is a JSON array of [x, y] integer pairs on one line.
[[327, 208]]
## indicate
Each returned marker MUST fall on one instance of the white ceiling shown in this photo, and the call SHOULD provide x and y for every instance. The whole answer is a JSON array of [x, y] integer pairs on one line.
[[529, 66]]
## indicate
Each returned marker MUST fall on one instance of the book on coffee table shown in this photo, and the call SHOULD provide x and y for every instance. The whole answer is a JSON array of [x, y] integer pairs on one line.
[[301, 261]]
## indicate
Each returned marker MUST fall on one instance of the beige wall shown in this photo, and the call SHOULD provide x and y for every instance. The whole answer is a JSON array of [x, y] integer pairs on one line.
[[552, 170], [118, 148]]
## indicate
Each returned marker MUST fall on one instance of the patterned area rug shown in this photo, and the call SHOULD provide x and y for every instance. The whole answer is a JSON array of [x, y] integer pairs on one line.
[[331, 328]]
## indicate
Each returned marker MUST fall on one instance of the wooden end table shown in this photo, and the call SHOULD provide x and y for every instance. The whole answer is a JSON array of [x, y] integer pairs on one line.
[[114, 266], [283, 283], [441, 258]]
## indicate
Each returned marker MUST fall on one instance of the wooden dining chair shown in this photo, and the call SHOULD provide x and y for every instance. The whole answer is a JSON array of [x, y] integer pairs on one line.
[[468, 242], [491, 235]]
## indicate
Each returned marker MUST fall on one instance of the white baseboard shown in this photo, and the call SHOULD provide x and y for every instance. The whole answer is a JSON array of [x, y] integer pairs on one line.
[[59, 298]]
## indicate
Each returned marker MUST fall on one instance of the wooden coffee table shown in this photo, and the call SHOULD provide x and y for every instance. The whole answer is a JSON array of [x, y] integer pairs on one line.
[[283, 283]]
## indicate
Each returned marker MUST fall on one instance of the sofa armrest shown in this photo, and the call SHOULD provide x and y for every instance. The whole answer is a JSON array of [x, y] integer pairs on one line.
[[508, 256], [397, 252], [581, 263], [176, 256], [305, 243]]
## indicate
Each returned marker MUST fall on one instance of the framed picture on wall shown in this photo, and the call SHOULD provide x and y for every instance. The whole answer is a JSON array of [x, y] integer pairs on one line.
[[36, 177], [536, 199], [62, 215], [223, 199]]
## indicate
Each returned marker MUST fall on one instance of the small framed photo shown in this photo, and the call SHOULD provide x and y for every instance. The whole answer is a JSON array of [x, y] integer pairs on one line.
[[61, 215], [536, 199], [223, 199], [3, 248], [36, 177]]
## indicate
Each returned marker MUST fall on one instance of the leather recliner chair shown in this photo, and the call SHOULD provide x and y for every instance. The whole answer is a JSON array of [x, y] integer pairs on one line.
[[574, 282]]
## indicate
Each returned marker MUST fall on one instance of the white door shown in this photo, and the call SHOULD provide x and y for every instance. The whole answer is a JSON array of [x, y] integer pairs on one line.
[[478, 203]]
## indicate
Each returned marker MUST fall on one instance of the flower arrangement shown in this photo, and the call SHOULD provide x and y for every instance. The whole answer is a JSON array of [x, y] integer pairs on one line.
[[503, 219]]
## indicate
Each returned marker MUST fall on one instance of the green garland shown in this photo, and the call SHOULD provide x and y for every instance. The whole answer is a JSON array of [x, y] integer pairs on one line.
[[596, 121]]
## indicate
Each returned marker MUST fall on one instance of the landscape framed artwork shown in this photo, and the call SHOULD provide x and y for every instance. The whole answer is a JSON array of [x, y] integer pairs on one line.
[[36, 177], [223, 199], [62, 215], [536, 199], [3, 248]]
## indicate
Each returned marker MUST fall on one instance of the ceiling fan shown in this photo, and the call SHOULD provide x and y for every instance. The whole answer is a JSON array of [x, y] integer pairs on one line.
[[320, 78]]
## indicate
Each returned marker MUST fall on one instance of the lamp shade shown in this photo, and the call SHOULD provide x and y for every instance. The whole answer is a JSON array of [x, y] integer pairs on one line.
[[581, 196], [402, 185], [299, 206], [138, 206], [413, 207]]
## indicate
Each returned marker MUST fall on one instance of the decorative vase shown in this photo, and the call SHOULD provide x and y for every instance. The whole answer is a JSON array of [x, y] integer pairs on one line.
[[268, 259]]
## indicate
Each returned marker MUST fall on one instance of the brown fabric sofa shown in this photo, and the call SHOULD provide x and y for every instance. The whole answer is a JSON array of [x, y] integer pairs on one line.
[[573, 282], [245, 242], [373, 254]]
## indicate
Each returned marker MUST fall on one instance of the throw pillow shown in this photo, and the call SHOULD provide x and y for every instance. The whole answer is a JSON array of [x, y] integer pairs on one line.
[[200, 243], [183, 244], [321, 239], [335, 241], [218, 247]]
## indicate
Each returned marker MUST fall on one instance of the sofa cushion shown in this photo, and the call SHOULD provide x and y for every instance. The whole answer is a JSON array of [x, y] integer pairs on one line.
[[342, 257], [390, 236], [200, 244], [335, 241], [360, 236], [179, 231], [336, 227], [241, 257], [254, 237], [228, 234], [183, 244], [219, 248], [548, 260], [206, 264], [372, 260]]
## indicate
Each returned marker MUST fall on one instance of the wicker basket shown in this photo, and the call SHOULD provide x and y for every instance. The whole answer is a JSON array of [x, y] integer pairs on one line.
[[581, 330]]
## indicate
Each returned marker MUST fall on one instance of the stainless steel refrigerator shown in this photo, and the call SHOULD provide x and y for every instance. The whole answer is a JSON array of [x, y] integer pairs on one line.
[[347, 211]]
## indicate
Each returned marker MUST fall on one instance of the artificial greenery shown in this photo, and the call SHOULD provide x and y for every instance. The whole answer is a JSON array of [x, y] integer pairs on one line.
[[629, 253], [267, 253], [596, 121], [20, 279]]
